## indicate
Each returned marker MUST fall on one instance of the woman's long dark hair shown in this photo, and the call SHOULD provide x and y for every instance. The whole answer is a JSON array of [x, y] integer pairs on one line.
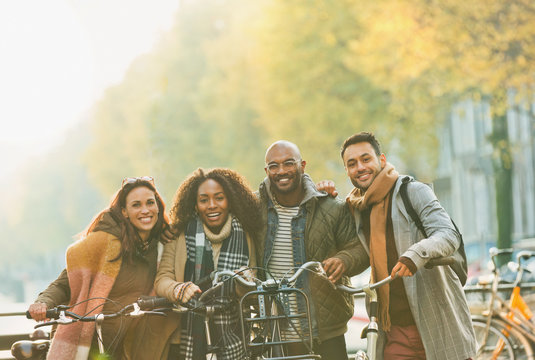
[[243, 204], [129, 236]]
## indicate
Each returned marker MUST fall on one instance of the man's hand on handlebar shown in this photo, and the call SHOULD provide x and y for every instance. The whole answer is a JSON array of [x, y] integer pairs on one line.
[[401, 270], [334, 267], [38, 311]]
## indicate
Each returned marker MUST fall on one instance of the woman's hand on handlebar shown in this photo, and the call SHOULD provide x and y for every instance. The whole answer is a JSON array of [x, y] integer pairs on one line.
[[184, 292], [334, 267], [38, 311]]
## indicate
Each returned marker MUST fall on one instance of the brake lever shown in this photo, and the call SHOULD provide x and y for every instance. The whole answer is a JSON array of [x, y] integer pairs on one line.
[[46, 323], [62, 320], [163, 310], [138, 312]]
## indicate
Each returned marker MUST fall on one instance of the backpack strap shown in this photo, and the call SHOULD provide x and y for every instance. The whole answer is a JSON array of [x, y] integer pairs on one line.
[[408, 206], [460, 265]]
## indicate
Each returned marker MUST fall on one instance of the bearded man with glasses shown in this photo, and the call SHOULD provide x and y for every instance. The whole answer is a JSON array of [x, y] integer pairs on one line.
[[302, 224]]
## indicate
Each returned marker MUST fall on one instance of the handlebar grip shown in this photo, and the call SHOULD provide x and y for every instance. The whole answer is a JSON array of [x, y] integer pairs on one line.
[[443, 261], [153, 302], [50, 314], [192, 304], [525, 254], [494, 251]]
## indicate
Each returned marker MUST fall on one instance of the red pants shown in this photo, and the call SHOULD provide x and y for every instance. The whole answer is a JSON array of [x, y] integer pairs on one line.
[[404, 343]]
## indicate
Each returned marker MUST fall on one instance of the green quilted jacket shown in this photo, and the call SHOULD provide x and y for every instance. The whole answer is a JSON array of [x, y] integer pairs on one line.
[[329, 232]]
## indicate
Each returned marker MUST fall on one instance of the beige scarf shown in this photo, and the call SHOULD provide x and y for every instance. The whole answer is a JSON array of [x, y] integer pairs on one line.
[[216, 240], [377, 197]]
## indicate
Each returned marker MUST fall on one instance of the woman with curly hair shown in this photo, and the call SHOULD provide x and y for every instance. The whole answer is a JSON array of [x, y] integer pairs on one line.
[[217, 217]]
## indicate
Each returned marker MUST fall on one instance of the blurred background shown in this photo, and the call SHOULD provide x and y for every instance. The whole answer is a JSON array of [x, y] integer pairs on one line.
[[95, 91]]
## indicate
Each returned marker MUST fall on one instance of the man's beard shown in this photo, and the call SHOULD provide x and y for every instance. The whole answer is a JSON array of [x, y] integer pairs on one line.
[[295, 183], [364, 188]]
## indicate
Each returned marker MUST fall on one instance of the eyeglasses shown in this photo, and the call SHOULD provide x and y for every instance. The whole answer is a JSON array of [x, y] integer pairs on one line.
[[286, 166], [131, 180]]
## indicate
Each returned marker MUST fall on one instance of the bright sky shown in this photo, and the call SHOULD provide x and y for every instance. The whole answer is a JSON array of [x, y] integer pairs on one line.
[[56, 58]]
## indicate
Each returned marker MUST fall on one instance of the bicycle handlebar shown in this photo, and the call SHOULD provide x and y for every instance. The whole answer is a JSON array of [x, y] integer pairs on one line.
[[316, 266], [521, 255], [493, 251], [354, 291], [141, 306], [153, 302], [50, 313], [442, 261], [310, 265], [524, 255], [306, 266]]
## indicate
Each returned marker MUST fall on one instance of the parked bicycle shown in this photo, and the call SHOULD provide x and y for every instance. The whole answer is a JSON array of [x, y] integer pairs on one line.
[[505, 330], [37, 349]]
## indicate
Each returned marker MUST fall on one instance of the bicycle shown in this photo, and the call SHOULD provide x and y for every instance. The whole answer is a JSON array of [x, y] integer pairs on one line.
[[263, 326], [371, 331], [505, 330], [37, 349], [206, 305]]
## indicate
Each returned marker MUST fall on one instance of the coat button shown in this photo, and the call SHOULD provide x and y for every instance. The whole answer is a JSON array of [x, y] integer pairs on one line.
[[424, 253]]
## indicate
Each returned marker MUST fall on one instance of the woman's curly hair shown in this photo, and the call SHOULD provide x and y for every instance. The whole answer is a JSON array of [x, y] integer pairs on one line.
[[243, 204]]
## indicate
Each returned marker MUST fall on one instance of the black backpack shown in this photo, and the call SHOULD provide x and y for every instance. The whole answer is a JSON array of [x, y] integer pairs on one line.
[[460, 266]]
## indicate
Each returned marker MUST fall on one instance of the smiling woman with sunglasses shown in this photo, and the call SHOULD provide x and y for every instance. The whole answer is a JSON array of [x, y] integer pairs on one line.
[[111, 265], [217, 218]]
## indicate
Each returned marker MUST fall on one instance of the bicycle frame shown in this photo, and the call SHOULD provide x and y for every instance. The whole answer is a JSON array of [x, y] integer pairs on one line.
[[372, 331], [517, 316], [269, 297], [207, 311]]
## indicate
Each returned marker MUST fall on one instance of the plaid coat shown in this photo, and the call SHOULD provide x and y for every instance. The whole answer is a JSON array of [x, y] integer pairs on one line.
[[436, 297]]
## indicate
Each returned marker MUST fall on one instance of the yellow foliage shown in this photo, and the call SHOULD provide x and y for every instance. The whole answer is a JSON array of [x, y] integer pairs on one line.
[[313, 72]]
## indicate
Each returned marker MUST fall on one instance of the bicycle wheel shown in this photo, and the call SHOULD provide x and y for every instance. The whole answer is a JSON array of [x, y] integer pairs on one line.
[[497, 346], [521, 345]]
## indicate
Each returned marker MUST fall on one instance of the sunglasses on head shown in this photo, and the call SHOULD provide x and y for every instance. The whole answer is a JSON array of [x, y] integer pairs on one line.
[[131, 180]]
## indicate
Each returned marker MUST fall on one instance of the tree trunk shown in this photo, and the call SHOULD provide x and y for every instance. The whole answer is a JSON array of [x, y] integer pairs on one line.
[[503, 182]]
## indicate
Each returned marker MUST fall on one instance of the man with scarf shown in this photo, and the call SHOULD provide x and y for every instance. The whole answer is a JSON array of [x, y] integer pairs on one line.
[[423, 313]]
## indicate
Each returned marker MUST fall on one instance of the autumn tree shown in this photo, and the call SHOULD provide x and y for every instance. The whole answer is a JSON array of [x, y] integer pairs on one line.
[[493, 44], [232, 76], [184, 105]]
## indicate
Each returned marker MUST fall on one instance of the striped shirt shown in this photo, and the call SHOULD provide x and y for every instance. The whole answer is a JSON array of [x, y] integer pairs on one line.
[[282, 255], [281, 263]]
